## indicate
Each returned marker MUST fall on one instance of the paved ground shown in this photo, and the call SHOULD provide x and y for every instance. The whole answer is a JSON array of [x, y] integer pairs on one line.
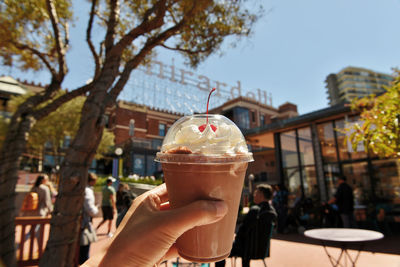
[[296, 250]]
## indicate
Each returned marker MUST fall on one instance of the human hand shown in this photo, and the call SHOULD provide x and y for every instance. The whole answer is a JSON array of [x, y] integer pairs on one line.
[[147, 234]]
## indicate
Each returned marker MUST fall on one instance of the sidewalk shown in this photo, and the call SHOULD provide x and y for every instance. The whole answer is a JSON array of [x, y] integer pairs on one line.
[[294, 250]]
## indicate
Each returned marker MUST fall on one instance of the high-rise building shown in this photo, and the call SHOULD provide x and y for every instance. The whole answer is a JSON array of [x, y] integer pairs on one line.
[[353, 82]]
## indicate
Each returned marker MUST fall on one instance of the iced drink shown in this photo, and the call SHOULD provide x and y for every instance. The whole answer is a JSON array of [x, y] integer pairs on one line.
[[205, 159]]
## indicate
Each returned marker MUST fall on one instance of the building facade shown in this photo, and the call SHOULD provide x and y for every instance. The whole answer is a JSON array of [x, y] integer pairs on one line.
[[352, 82], [139, 131], [311, 152], [248, 114]]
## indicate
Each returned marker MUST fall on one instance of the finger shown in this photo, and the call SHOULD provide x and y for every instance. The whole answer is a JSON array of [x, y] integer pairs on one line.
[[198, 213], [161, 192]]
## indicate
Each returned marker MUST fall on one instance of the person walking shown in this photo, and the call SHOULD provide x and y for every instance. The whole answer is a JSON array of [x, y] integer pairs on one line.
[[252, 240], [108, 205], [88, 234], [344, 199]]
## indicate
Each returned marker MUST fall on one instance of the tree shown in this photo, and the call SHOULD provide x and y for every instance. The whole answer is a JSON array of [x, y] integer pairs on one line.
[[196, 29], [53, 130], [33, 35], [379, 129]]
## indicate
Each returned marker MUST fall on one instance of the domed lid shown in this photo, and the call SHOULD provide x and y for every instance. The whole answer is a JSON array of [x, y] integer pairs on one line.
[[208, 138]]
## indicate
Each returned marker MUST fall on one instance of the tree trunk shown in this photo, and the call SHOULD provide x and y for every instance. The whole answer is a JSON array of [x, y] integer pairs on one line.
[[64, 233], [10, 156]]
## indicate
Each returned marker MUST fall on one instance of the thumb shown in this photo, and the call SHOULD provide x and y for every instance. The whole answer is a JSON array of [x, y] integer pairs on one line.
[[197, 213]]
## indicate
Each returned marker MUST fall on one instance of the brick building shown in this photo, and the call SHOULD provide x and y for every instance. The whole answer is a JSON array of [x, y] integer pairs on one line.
[[139, 131]]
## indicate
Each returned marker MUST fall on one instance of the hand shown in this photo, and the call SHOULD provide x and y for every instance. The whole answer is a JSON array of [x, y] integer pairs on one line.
[[149, 230]]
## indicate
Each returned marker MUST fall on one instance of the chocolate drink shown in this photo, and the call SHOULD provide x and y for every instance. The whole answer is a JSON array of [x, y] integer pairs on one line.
[[189, 182], [202, 163]]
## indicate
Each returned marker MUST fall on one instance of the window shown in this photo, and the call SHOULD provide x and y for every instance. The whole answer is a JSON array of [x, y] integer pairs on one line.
[[161, 129], [131, 127], [253, 116], [289, 150], [298, 162], [305, 146], [346, 151], [241, 117], [327, 142], [262, 120], [386, 180]]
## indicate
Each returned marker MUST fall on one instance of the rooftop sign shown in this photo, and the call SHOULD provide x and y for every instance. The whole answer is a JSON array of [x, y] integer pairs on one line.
[[164, 86]]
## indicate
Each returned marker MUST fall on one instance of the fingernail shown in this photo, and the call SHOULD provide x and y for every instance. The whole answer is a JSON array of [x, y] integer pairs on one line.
[[221, 208]]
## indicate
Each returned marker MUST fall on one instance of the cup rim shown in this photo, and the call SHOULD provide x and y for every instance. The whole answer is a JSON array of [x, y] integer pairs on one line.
[[203, 159]]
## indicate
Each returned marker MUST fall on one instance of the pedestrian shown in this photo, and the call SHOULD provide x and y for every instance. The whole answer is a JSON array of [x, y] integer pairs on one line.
[[88, 234], [124, 201], [108, 205], [344, 200], [147, 236], [252, 240], [45, 204]]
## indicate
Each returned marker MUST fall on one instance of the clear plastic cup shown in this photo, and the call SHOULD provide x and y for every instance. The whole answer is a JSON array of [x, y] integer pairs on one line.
[[205, 160]]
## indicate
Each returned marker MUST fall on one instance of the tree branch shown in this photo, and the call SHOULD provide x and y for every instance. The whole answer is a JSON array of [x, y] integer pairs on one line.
[[43, 112], [89, 38], [146, 26], [57, 37], [135, 61], [36, 52], [188, 51], [111, 24]]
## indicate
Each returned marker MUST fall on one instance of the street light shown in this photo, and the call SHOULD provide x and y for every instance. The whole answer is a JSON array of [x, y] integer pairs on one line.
[[118, 151]]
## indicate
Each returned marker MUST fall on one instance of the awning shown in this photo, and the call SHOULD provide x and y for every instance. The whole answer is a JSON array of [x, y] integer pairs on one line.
[[11, 86]]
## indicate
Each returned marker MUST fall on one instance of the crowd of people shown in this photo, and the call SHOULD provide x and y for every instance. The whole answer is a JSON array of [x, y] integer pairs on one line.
[[271, 212]]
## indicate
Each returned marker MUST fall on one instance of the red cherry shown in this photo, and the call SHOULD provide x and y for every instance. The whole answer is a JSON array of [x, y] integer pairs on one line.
[[203, 127]]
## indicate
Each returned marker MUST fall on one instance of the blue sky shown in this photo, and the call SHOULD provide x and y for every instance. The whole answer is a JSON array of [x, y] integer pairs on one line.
[[293, 48]]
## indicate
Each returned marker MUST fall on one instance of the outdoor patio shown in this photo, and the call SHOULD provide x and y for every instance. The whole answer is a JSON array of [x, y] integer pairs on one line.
[[291, 250]]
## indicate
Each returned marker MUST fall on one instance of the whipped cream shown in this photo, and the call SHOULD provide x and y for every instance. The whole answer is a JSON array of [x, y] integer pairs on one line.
[[226, 140]]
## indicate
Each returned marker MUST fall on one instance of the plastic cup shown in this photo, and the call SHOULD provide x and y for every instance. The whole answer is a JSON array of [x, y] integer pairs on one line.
[[205, 166]]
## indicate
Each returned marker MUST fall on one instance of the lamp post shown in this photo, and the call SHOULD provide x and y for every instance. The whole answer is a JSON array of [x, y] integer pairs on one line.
[[118, 173]]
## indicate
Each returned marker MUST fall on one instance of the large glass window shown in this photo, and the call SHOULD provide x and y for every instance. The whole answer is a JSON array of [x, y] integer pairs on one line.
[[327, 141], [358, 178], [346, 151], [289, 149], [305, 146], [293, 181], [298, 163], [241, 117], [386, 179], [310, 182], [331, 174]]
